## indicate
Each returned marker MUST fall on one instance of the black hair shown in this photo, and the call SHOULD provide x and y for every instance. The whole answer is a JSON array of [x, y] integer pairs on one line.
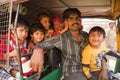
[[20, 21], [36, 27], [99, 29], [69, 11], [41, 15], [23, 23]]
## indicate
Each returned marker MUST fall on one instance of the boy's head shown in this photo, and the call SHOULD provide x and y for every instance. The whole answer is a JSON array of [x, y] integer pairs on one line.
[[22, 29], [44, 20], [37, 33], [96, 36]]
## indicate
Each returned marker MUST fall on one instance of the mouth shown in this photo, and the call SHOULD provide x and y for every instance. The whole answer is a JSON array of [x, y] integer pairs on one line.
[[76, 24]]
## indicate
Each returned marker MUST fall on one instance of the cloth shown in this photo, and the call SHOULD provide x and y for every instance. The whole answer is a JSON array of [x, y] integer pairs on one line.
[[70, 48], [89, 56], [111, 39], [14, 60], [75, 76]]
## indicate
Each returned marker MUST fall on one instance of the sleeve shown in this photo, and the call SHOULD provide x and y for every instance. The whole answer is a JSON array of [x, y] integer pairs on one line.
[[50, 43], [86, 57], [113, 53], [86, 71]]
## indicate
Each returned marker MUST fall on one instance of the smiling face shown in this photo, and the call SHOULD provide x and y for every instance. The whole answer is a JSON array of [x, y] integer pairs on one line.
[[45, 21], [37, 36], [95, 39], [74, 22]]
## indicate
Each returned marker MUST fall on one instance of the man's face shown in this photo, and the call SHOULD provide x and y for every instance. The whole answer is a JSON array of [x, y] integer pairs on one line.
[[74, 22]]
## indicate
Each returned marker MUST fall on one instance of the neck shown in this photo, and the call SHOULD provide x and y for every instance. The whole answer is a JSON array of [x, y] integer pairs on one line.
[[76, 35], [95, 47]]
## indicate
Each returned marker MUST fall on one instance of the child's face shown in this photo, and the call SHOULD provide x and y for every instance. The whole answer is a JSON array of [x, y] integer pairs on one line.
[[58, 26], [37, 36], [45, 21], [95, 39], [22, 33]]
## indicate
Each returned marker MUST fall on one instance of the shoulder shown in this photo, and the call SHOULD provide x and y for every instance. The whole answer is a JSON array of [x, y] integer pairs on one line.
[[30, 44], [87, 51], [87, 48], [103, 47], [83, 33]]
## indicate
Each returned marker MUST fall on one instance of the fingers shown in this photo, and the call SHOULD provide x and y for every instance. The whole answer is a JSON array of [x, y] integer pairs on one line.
[[40, 69]]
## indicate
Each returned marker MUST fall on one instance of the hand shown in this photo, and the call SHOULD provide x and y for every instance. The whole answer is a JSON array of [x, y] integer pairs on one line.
[[65, 27], [37, 60]]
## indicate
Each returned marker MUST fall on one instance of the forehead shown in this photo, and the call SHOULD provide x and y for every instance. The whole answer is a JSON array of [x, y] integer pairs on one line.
[[73, 15], [96, 32], [45, 18], [22, 27]]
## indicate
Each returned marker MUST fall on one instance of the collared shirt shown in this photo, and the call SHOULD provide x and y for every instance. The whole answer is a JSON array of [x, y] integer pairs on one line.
[[70, 49]]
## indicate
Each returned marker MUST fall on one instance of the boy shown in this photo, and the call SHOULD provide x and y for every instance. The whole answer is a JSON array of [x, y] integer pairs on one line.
[[90, 52], [94, 66], [22, 33]]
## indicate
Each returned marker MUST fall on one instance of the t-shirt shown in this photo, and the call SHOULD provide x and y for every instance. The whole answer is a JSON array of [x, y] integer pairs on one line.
[[89, 56]]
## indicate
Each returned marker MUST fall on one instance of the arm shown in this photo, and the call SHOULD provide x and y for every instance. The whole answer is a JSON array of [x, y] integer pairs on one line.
[[103, 74], [65, 27]]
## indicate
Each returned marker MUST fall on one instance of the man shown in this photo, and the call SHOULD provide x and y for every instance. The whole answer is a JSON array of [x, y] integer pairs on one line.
[[111, 37], [70, 43]]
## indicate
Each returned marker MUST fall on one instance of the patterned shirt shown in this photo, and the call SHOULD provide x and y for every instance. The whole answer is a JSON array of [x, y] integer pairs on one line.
[[70, 48]]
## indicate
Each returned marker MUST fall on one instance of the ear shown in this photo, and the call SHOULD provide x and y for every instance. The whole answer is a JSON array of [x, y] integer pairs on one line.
[[80, 20]]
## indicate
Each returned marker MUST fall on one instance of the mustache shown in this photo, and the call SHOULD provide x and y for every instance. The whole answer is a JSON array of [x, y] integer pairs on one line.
[[76, 24]]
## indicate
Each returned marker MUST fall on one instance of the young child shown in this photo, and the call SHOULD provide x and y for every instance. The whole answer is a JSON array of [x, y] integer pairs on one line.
[[37, 34], [58, 27], [93, 55], [91, 51], [22, 33], [44, 20]]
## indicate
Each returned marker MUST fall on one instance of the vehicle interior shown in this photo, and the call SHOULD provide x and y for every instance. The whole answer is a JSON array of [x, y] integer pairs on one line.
[[101, 9]]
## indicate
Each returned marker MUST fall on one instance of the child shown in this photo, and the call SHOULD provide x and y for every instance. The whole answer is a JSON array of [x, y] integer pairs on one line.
[[37, 34], [90, 52], [22, 33], [93, 55], [44, 20], [58, 27]]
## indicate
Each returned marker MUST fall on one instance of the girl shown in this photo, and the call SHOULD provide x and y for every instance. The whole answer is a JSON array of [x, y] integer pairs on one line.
[[37, 34], [44, 20]]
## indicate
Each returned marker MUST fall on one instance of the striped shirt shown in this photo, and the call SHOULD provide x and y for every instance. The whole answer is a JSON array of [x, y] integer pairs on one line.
[[70, 48]]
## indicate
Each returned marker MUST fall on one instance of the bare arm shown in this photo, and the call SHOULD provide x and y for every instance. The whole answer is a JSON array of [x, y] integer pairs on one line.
[[103, 74], [37, 60]]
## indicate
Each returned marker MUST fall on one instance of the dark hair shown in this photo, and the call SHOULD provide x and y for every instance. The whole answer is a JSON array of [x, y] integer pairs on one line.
[[69, 11], [99, 29], [36, 27], [20, 21], [23, 23], [41, 15]]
